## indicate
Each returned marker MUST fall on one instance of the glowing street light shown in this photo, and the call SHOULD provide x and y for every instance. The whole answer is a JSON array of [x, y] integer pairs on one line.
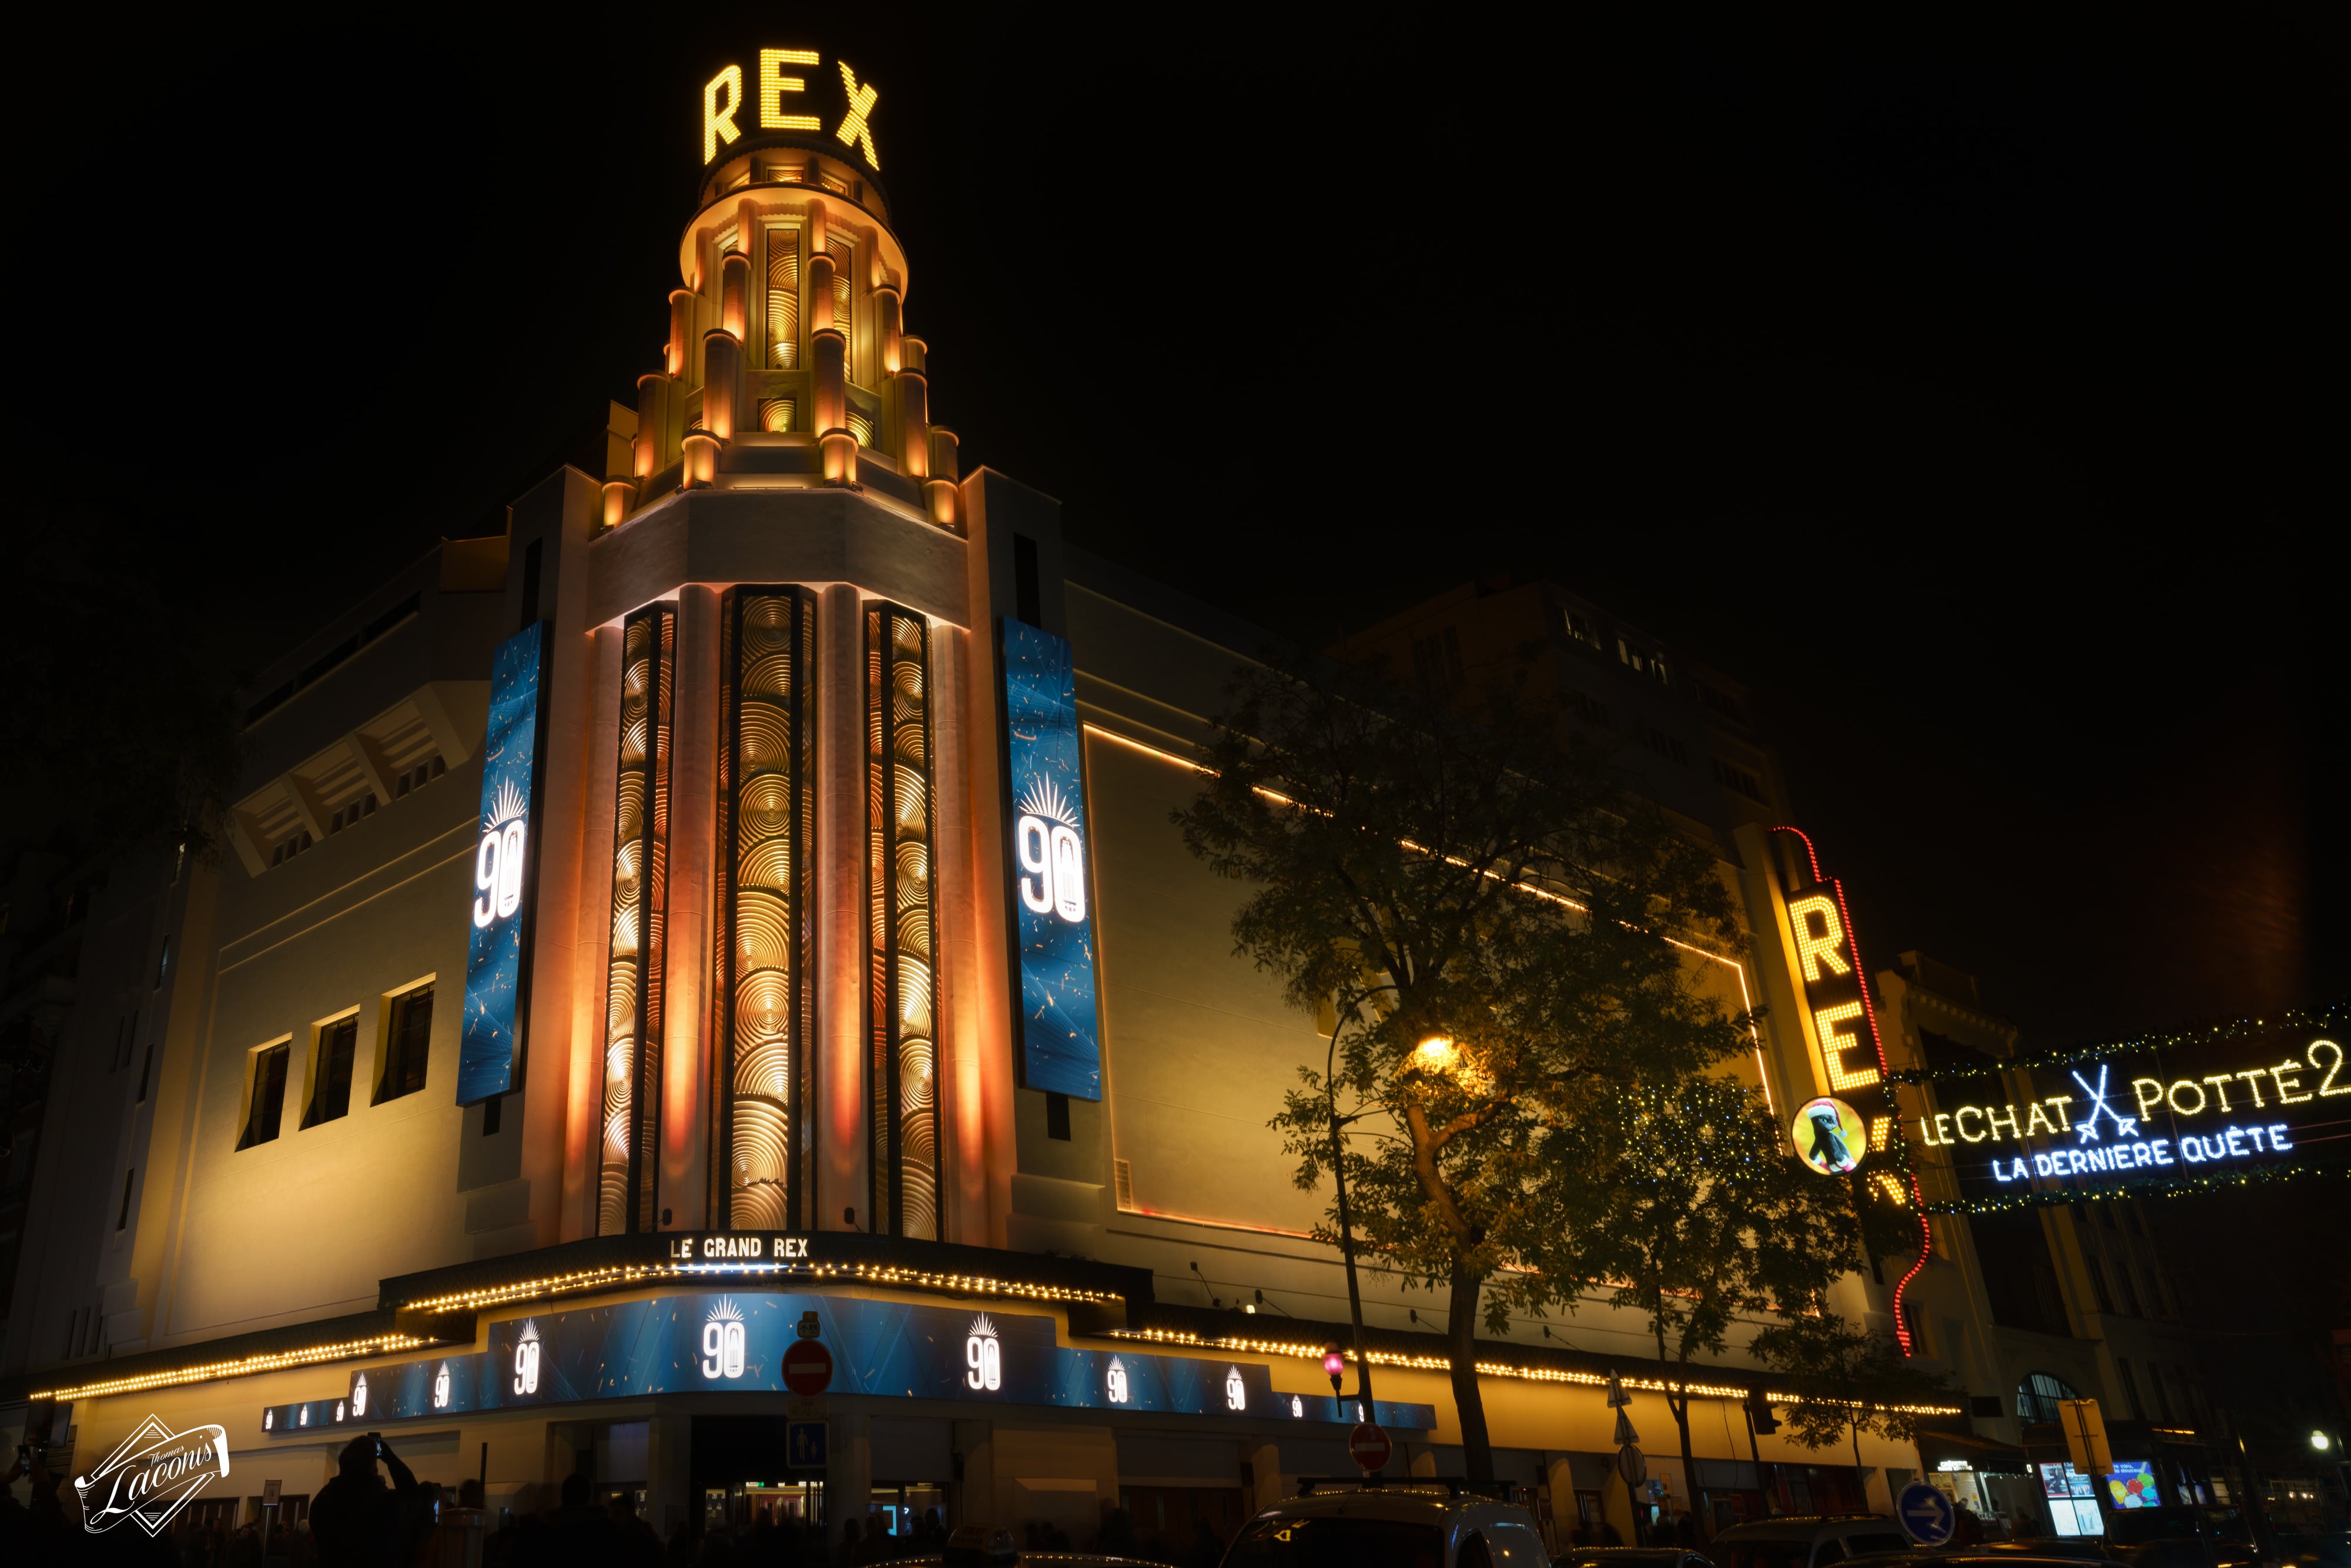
[[2318, 1440]]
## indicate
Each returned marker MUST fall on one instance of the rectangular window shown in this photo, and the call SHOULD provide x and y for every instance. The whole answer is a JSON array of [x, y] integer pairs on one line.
[[1664, 745], [2130, 1388], [768, 814], [2098, 1284], [1591, 709], [1721, 702], [635, 967], [2131, 1290], [122, 1220], [331, 1071], [146, 1066], [783, 322], [266, 1107], [1580, 629], [2162, 1393], [1437, 658], [904, 1066], [407, 1041], [1732, 776]]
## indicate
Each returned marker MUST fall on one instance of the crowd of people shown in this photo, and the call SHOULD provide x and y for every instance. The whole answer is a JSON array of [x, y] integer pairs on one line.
[[375, 1513]]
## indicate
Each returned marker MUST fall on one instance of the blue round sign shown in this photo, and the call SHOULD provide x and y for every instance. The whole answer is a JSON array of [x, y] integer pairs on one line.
[[1927, 1516]]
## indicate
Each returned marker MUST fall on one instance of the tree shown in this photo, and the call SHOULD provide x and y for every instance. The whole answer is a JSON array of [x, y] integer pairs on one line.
[[1847, 1381], [1488, 906], [1694, 1206]]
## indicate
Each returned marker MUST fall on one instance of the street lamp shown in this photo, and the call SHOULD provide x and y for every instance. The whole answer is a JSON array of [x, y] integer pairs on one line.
[[2319, 1440], [1346, 1231]]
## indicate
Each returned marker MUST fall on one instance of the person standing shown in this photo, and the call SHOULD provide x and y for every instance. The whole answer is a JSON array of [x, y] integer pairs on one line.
[[360, 1522]]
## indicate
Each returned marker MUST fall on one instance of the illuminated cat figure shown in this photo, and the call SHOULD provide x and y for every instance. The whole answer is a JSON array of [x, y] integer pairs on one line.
[[1828, 1136]]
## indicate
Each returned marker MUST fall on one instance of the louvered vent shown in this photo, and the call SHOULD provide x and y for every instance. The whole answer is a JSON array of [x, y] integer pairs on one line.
[[1125, 1178]]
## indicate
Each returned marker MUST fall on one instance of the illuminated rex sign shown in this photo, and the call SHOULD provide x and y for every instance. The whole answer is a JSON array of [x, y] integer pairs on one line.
[[2147, 1118], [734, 1343], [497, 981], [780, 96], [1045, 796]]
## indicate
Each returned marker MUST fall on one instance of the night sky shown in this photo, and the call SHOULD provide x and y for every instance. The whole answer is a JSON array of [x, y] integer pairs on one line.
[[1976, 397]]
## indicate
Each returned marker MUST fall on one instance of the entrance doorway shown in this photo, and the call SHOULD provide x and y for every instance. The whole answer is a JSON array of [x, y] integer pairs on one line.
[[1172, 1520]]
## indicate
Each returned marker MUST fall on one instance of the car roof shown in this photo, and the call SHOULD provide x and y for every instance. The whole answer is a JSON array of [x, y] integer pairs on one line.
[[1432, 1503], [1798, 1526]]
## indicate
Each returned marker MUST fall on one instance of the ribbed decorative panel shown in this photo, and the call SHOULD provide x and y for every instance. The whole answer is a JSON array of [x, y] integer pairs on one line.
[[777, 413], [766, 821], [903, 1092], [632, 1017], [784, 300], [861, 425]]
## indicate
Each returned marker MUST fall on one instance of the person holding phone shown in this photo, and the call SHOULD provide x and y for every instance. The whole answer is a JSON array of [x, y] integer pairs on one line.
[[360, 1522]]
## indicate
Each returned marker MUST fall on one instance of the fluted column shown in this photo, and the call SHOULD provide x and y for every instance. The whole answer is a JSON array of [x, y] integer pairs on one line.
[[722, 383], [829, 389], [734, 295], [681, 334], [656, 403], [686, 1009], [941, 490], [889, 327], [842, 1162], [619, 500]]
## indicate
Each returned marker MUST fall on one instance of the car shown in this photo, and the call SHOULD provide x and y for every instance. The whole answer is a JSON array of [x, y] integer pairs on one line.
[[1439, 1523], [2080, 1548], [2001, 1556], [1633, 1557], [1806, 1540], [2314, 1550], [2182, 1535]]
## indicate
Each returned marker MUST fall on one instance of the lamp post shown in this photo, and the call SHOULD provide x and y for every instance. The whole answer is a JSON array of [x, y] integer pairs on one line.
[[1346, 1231]]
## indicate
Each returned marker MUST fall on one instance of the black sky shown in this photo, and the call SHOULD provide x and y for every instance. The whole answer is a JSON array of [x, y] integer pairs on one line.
[[1976, 395]]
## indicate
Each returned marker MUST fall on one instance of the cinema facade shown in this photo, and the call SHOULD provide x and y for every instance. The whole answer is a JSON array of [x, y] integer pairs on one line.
[[739, 905]]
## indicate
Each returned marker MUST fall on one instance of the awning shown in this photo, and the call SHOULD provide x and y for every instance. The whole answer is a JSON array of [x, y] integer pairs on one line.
[[1961, 1450]]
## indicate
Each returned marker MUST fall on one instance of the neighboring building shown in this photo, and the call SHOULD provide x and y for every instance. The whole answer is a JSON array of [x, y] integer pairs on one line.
[[1686, 730], [639, 936]]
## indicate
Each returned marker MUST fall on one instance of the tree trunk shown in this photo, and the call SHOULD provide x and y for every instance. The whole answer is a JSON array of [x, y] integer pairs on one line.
[[1860, 1480], [1678, 1375], [1461, 1329]]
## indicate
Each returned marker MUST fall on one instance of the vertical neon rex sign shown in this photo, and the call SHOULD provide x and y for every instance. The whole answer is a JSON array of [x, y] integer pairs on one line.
[[1852, 1055], [497, 982], [1061, 1042]]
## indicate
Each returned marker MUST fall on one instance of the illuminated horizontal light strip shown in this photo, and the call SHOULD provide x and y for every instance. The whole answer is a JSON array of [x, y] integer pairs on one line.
[[1220, 1224], [1488, 1368], [1746, 996], [622, 1276], [244, 1366]]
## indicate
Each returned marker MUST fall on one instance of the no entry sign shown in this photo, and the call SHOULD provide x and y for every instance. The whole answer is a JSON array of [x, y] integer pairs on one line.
[[808, 1368], [1371, 1446]]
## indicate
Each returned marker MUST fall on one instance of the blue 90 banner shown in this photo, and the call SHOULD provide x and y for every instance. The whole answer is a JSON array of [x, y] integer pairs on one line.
[[489, 1060], [1060, 1044]]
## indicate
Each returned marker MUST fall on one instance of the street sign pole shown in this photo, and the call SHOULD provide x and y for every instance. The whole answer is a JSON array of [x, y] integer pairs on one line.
[[2085, 1445]]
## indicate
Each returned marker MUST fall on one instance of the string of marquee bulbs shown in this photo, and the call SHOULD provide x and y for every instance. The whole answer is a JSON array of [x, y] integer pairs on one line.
[[2330, 1018]]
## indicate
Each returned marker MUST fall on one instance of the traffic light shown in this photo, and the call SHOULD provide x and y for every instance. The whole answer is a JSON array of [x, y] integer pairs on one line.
[[1759, 1410]]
